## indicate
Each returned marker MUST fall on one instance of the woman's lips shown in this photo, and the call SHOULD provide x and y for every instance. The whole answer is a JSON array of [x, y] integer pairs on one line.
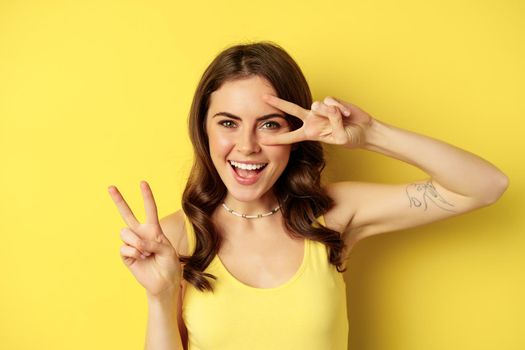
[[246, 181]]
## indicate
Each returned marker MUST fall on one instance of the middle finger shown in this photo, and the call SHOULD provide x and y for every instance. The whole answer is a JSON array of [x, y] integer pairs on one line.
[[149, 203], [286, 106]]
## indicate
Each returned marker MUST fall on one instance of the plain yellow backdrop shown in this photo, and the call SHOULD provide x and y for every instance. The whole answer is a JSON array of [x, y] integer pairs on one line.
[[94, 93]]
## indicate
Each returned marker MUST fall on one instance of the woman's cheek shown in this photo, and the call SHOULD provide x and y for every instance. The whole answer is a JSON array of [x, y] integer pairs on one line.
[[221, 143], [225, 141]]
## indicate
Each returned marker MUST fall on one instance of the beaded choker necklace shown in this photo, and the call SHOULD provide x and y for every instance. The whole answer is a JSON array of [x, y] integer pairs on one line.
[[273, 211]]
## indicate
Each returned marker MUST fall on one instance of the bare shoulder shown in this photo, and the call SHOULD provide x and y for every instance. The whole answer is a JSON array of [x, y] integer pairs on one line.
[[174, 228]]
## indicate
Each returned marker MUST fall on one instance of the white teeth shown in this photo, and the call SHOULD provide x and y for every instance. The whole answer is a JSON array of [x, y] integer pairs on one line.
[[247, 166]]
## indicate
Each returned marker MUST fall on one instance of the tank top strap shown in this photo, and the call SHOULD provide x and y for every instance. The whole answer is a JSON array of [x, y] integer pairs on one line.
[[319, 255]]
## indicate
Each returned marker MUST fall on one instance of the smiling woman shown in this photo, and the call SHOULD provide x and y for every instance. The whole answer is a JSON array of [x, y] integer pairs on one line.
[[261, 243], [279, 185], [235, 81]]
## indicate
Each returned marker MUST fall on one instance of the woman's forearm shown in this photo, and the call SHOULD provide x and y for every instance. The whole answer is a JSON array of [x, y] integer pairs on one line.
[[163, 330], [455, 169]]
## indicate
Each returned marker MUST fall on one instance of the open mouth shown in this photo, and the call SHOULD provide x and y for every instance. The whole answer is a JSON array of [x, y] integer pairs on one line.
[[247, 171]]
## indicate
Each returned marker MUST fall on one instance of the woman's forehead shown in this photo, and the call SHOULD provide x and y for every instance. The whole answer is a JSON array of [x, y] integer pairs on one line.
[[242, 97]]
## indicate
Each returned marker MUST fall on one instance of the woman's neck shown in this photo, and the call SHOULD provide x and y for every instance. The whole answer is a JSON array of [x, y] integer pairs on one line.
[[262, 205]]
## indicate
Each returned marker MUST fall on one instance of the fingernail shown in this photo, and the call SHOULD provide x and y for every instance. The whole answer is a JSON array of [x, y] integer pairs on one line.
[[147, 253], [347, 113], [315, 105], [142, 257]]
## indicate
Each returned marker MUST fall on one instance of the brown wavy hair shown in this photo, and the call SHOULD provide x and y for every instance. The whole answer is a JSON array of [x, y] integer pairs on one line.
[[298, 189]]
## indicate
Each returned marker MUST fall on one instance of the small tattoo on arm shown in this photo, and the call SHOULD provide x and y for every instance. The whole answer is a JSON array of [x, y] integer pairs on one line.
[[419, 194]]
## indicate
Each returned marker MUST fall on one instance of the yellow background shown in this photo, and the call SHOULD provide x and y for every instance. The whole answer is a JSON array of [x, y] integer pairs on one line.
[[94, 93]]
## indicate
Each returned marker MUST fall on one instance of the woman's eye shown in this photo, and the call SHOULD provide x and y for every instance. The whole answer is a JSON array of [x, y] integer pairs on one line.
[[267, 125], [275, 125], [226, 123]]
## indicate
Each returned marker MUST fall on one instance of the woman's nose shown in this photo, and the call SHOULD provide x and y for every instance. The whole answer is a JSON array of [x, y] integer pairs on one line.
[[247, 142]]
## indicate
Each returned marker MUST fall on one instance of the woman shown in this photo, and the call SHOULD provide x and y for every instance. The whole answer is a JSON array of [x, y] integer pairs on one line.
[[262, 243]]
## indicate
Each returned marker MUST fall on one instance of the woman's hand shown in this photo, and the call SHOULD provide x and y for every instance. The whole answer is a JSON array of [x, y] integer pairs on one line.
[[332, 121], [147, 252]]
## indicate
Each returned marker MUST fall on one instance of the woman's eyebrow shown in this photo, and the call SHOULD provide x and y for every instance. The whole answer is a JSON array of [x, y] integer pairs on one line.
[[264, 117]]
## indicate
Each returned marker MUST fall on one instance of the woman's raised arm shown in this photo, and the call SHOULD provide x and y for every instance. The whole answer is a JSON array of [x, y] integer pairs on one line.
[[458, 182]]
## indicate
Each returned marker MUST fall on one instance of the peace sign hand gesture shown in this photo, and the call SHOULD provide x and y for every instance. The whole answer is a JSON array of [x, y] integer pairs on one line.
[[335, 122], [147, 252]]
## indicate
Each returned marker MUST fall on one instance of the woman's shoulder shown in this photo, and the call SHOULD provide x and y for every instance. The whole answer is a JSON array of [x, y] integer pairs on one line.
[[174, 228]]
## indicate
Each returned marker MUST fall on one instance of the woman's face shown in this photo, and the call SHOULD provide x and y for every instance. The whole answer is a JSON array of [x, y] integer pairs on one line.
[[234, 133]]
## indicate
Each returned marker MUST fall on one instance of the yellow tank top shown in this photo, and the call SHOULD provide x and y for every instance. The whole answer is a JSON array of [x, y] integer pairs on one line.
[[308, 312]]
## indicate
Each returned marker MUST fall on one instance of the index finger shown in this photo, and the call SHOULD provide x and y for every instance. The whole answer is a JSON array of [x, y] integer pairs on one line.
[[123, 207], [286, 106], [284, 138]]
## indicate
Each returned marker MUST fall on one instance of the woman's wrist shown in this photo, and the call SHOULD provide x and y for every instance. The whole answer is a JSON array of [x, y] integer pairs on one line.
[[168, 295], [375, 136]]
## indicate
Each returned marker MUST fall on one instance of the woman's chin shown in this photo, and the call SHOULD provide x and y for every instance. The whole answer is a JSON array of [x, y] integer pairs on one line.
[[245, 194]]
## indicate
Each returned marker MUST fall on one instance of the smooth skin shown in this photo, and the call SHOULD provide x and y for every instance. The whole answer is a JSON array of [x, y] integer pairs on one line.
[[147, 252], [461, 182]]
